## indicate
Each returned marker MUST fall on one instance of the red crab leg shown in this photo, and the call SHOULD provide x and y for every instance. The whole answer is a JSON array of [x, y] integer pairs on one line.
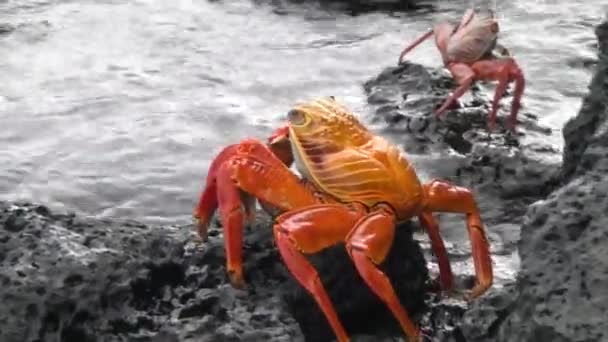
[[309, 230], [464, 76], [280, 145], [445, 271], [445, 197], [249, 167], [232, 217], [503, 70], [415, 43], [368, 245]]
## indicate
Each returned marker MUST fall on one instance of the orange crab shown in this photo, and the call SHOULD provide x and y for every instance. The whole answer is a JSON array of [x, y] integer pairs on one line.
[[355, 187], [471, 53]]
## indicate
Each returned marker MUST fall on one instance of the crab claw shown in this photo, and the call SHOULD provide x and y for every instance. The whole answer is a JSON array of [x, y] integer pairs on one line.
[[280, 145], [279, 135], [241, 175]]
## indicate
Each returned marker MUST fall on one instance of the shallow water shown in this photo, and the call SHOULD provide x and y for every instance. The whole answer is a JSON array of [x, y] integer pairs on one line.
[[115, 108]]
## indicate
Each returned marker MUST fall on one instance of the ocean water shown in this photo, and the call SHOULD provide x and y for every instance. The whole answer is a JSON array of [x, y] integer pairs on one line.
[[115, 108]]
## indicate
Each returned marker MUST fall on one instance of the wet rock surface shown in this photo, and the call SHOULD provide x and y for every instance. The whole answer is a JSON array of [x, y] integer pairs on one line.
[[67, 278], [506, 171], [561, 293], [557, 296]]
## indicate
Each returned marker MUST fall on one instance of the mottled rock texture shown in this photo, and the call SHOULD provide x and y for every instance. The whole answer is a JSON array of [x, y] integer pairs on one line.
[[561, 293], [67, 278]]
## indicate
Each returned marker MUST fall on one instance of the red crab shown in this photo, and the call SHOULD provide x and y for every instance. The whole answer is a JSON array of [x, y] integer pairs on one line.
[[355, 187], [471, 53]]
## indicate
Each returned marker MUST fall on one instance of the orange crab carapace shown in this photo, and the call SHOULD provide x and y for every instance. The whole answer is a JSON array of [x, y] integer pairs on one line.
[[354, 188]]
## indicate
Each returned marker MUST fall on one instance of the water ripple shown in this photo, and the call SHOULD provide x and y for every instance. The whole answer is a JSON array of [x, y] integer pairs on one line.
[[122, 116]]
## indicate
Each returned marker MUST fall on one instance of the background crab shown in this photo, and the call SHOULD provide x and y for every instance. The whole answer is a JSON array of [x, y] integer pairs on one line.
[[470, 52], [355, 187]]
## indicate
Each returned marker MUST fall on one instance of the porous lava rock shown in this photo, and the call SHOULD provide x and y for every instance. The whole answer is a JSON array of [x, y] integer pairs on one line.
[[506, 172], [70, 278], [561, 293]]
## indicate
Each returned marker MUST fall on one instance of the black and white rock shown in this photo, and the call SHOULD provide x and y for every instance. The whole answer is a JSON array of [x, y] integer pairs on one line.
[[561, 292], [67, 278]]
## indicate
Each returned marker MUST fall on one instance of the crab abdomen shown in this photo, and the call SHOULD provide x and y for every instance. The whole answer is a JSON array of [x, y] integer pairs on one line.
[[473, 41]]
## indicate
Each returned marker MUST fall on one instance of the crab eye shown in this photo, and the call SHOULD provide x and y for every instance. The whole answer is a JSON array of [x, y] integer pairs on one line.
[[296, 117]]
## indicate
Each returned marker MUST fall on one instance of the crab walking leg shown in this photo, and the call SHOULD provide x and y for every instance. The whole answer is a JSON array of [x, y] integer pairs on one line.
[[465, 76], [368, 245], [442, 196], [207, 204], [520, 84], [309, 230], [503, 70], [232, 217], [205, 208], [445, 271], [415, 43]]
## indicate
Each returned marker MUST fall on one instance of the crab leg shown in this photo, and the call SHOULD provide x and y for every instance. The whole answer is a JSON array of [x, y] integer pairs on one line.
[[415, 43], [207, 204], [248, 169], [232, 217], [517, 75], [309, 230], [503, 70], [465, 76], [368, 245], [442, 196], [445, 271]]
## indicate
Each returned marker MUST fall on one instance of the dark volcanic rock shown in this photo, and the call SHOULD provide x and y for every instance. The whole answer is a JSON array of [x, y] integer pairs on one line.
[[66, 278], [350, 7], [507, 172], [561, 293], [407, 95]]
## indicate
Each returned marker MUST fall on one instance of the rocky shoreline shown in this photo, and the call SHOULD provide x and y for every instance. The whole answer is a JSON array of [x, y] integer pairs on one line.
[[69, 278]]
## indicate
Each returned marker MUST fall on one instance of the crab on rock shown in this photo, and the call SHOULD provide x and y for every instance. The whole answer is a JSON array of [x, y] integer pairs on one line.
[[355, 187], [470, 52]]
